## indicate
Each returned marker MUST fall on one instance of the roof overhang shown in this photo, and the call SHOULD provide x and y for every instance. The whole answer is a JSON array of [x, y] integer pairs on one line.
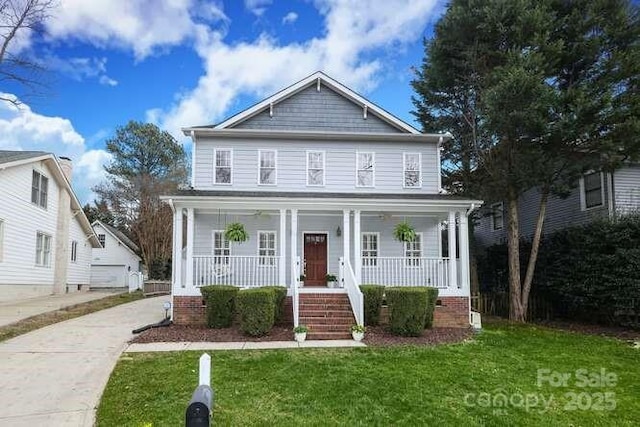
[[98, 222]]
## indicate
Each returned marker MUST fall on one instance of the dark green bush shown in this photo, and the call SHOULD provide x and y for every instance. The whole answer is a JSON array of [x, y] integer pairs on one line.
[[432, 297], [407, 310], [279, 295], [373, 295], [256, 308], [220, 301]]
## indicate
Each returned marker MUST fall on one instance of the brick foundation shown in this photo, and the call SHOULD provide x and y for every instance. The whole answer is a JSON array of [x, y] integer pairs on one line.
[[192, 311], [452, 313]]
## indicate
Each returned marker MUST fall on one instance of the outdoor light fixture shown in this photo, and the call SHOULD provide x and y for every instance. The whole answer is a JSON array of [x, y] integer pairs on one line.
[[338, 231], [167, 307]]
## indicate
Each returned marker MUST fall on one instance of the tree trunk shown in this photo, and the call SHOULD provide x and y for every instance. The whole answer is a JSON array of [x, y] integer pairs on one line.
[[535, 246], [513, 244]]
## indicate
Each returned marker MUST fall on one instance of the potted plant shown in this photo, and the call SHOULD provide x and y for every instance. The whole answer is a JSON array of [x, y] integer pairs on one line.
[[357, 332], [331, 280], [404, 232], [235, 232], [300, 333], [302, 279]]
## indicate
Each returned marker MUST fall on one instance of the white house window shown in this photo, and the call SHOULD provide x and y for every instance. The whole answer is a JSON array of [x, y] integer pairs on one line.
[[412, 170], [101, 239], [592, 190], [43, 250], [365, 169], [1, 238], [74, 251], [221, 248], [223, 161], [370, 249], [267, 167], [497, 216], [315, 168], [413, 250], [267, 247], [39, 189]]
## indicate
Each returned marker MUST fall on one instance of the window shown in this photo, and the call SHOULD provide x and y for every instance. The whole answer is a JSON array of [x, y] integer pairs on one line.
[[267, 173], [101, 239], [223, 161], [370, 249], [43, 250], [497, 216], [74, 251], [221, 249], [413, 251], [315, 168], [1, 238], [412, 170], [592, 190], [39, 189], [365, 169], [267, 247]]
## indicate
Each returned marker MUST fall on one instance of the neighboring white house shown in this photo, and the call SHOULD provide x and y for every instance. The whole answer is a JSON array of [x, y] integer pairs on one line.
[[319, 176], [115, 260], [45, 237]]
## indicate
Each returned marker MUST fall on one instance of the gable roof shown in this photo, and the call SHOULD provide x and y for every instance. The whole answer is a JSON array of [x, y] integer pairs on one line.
[[119, 236], [316, 78], [17, 158]]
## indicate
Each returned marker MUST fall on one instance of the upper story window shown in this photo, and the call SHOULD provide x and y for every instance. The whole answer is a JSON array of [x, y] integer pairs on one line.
[[1, 238], [370, 249], [413, 250], [43, 249], [497, 216], [101, 239], [267, 173], [267, 247], [221, 248], [74, 251], [315, 168], [39, 189], [223, 162], [412, 169], [365, 169], [592, 190]]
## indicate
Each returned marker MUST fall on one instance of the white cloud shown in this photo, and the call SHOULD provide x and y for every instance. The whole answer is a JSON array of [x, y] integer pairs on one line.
[[257, 7], [107, 81], [80, 68], [290, 18], [88, 171]]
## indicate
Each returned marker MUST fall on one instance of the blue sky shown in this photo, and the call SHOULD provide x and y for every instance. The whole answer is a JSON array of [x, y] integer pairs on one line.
[[180, 63]]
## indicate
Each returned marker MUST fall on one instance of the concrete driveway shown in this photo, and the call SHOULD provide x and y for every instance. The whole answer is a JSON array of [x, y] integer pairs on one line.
[[55, 376]]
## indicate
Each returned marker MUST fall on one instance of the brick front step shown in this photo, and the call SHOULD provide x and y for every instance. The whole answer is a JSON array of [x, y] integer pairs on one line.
[[324, 307], [317, 328], [338, 321], [328, 313], [329, 336]]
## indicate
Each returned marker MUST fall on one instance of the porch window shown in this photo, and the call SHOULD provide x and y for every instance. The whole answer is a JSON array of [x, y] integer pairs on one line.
[[497, 216], [592, 190], [267, 247], [267, 171], [43, 250], [39, 189], [365, 169], [315, 168], [413, 251], [221, 248], [223, 161], [74, 251], [412, 170], [370, 249]]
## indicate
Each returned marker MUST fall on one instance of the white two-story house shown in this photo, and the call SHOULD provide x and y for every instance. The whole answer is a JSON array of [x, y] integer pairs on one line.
[[319, 177], [45, 237]]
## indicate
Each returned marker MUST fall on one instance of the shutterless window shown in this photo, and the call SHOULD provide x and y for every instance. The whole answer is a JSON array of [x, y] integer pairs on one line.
[[315, 168], [221, 248], [369, 249], [413, 250], [267, 247], [39, 189], [74, 251], [101, 239], [222, 173], [412, 170], [365, 169], [267, 167], [497, 216], [593, 196], [43, 250]]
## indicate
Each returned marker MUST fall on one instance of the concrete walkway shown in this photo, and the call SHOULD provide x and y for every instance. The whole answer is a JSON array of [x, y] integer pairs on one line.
[[55, 376], [13, 311], [245, 345]]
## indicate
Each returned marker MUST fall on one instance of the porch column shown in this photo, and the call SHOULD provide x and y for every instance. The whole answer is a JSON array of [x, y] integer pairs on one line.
[[346, 234], [464, 252], [294, 246], [451, 234], [357, 255], [177, 248], [282, 276], [190, 234]]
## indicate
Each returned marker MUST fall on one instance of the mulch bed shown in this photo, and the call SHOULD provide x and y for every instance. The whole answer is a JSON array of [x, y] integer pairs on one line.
[[584, 328], [379, 336], [177, 333]]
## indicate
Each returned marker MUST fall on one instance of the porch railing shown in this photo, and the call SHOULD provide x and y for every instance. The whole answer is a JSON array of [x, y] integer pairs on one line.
[[403, 271], [351, 285], [242, 271]]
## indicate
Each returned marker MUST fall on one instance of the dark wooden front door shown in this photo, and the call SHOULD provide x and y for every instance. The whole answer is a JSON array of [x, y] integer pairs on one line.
[[315, 257]]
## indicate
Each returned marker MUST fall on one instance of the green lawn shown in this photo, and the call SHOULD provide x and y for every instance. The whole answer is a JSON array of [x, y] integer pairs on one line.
[[457, 384]]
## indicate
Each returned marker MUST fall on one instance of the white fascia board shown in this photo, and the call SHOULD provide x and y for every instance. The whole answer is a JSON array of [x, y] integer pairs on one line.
[[98, 222]]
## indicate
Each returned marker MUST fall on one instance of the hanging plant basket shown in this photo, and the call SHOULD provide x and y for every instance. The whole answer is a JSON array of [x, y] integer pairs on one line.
[[404, 232], [235, 232]]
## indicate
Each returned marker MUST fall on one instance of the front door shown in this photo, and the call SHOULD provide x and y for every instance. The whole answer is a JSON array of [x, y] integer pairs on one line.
[[315, 257]]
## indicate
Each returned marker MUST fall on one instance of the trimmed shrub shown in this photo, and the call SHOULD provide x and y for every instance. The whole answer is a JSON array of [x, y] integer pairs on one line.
[[407, 310], [256, 308], [279, 295], [221, 302], [432, 297], [373, 295]]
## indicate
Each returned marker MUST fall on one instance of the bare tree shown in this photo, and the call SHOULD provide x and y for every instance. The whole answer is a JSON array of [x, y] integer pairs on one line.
[[21, 18]]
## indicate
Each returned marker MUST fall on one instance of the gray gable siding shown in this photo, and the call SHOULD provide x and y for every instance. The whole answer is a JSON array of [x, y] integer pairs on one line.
[[626, 184], [311, 110]]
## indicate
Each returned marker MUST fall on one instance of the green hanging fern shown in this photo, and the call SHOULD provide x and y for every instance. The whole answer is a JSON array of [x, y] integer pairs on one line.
[[235, 232], [404, 232]]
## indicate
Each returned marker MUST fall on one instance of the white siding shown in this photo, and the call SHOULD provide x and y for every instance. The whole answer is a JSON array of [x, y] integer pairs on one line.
[[79, 272], [626, 182], [114, 252]]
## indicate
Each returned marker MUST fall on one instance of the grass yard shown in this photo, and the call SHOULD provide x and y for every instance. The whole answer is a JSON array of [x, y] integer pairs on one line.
[[458, 384]]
